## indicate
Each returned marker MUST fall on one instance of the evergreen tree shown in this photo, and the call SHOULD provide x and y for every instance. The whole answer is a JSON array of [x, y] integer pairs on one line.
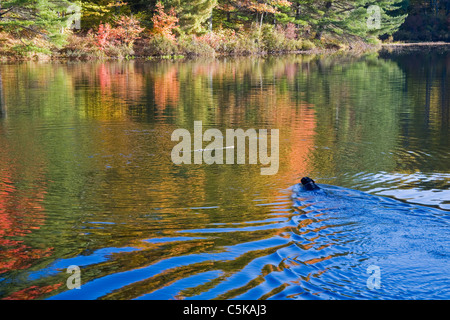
[[41, 17], [95, 13], [348, 17], [193, 14]]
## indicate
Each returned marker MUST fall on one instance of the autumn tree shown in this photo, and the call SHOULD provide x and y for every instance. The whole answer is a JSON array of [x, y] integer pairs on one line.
[[255, 10], [125, 32], [164, 23]]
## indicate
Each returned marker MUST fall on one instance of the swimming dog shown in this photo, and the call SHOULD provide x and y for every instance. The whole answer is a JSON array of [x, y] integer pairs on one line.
[[309, 184]]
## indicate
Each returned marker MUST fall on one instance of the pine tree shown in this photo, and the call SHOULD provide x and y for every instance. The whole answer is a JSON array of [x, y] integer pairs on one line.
[[348, 17], [97, 12], [40, 17], [193, 14]]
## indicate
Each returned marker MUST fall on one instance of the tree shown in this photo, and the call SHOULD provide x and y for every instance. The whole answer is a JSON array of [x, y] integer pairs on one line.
[[96, 12], [125, 32], [46, 18], [428, 20], [247, 10], [164, 23], [193, 14], [348, 17]]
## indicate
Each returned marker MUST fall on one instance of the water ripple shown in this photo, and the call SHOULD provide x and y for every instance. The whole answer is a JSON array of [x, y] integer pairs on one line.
[[321, 252]]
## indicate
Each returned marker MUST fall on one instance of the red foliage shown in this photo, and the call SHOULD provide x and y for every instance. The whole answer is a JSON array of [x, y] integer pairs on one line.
[[126, 31], [103, 36], [290, 31]]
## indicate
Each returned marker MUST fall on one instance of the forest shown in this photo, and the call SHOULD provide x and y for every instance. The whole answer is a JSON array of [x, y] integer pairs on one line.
[[172, 28]]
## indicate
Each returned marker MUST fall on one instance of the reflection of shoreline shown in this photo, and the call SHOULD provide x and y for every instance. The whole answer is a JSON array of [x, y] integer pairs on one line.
[[416, 44]]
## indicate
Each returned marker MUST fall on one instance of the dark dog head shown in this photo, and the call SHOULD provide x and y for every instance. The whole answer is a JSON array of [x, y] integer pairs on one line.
[[309, 183]]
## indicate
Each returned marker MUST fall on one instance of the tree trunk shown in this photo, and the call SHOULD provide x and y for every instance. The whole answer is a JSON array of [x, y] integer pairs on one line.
[[319, 33], [260, 25], [321, 28]]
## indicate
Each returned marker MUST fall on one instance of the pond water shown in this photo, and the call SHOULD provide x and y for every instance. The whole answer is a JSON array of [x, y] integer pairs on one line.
[[87, 179]]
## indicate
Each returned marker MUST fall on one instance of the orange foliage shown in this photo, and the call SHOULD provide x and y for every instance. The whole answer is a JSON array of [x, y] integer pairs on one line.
[[126, 31], [164, 23]]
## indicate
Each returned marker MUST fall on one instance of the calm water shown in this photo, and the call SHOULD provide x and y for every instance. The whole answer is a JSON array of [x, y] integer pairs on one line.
[[86, 179]]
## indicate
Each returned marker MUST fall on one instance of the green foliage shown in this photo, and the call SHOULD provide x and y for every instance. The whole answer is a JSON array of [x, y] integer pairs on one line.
[[348, 18], [244, 45], [193, 46], [159, 45], [308, 45], [279, 38], [119, 51], [93, 14], [43, 18], [30, 49], [271, 39], [194, 14]]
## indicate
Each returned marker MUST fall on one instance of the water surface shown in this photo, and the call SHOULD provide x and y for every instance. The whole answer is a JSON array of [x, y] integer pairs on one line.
[[86, 179]]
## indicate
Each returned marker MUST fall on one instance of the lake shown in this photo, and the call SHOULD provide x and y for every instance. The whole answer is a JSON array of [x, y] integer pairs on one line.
[[87, 179]]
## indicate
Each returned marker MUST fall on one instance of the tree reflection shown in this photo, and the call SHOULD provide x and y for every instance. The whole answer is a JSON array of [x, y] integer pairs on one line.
[[91, 149], [22, 190], [2, 100]]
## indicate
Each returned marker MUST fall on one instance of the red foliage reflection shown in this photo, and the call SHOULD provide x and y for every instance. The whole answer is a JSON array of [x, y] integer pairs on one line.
[[22, 191]]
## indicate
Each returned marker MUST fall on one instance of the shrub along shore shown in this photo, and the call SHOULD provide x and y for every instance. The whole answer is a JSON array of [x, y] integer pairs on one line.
[[95, 46]]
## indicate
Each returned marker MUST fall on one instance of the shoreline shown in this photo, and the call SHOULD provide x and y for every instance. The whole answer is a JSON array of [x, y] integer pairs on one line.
[[175, 57], [359, 50]]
